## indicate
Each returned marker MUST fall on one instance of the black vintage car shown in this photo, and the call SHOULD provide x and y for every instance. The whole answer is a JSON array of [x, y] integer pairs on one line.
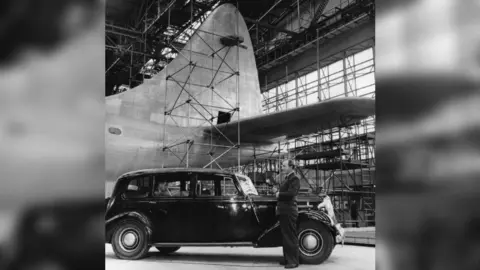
[[171, 208]]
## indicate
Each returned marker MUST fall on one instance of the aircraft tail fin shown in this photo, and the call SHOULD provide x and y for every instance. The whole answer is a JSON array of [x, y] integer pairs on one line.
[[201, 82]]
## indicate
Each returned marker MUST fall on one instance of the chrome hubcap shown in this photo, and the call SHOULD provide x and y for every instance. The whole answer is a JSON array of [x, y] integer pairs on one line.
[[129, 239], [310, 242]]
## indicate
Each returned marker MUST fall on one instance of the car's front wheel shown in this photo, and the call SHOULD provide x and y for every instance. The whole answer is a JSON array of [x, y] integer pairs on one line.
[[315, 242], [129, 240], [167, 250]]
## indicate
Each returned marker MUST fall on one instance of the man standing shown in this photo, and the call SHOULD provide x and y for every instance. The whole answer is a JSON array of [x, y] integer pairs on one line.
[[354, 213], [287, 211]]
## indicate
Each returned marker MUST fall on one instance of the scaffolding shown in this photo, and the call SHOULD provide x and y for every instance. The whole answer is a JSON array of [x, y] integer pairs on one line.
[[190, 113], [352, 75], [340, 161], [343, 17], [139, 47], [265, 170], [342, 74]]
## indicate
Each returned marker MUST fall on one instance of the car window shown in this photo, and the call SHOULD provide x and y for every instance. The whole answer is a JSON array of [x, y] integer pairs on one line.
[[171, 186], [210, 185], [228, 187], [138, 187], [206, 188]]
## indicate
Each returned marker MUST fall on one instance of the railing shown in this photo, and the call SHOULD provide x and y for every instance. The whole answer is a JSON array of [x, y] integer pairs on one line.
[[334, 23]]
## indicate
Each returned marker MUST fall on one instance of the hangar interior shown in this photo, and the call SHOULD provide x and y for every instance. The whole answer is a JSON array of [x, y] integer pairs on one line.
[[306, 51]]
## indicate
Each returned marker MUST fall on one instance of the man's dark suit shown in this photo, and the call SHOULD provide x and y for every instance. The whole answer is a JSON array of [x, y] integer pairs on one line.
[[288, 212]]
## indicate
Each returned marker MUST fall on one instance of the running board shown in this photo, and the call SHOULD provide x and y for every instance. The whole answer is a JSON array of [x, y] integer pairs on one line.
[[227, 244]]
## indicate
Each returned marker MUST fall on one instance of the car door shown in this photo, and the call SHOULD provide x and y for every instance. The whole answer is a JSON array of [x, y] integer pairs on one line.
[[266, 210], [207, 214], [135, 197], [173, 211], [221, 216], [237, 215]]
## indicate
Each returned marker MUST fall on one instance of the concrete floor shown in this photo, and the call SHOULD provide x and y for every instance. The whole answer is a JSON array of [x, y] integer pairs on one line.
[[346, 257]]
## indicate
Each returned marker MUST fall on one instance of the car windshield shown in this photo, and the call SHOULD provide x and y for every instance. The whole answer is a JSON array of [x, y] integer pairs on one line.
[[246, 185]]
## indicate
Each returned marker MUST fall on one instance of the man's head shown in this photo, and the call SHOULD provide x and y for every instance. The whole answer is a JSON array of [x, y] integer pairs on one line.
[[288, 166], [162, 187]]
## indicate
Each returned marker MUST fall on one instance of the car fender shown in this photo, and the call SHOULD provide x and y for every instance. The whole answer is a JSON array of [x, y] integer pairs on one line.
[[110, 223], [318, 216], [336, 229], [271, 237]]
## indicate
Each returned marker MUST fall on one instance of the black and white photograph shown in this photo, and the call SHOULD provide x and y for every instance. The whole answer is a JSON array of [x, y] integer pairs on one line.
[[235, 134], [232, 131]]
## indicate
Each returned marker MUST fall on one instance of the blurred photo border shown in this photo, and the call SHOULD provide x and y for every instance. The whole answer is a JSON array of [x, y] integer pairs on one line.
[[427, 68]]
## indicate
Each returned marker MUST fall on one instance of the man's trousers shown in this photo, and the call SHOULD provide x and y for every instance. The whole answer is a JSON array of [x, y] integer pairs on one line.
[[288, 225]]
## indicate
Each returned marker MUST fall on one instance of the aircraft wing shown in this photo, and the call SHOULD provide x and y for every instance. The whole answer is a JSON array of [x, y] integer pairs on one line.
[[296, 122]]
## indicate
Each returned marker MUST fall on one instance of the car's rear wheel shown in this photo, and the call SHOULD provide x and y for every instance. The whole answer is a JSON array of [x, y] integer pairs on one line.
[[315, 242], [167, 250], [129, 240]]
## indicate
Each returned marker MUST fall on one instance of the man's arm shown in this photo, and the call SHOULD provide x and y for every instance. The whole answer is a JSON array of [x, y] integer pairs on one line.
[[292, 190]]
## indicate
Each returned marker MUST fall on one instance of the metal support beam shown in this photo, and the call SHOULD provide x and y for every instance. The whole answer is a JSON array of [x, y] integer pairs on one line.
[[123, 34], [297, 97], [266, 25], [265, 14], [133, 51], [298, 11], [113, 64], [277, 105], [135, 32], [345, 84], [319, 81], [159, 16], [131, 64], [319, 12]]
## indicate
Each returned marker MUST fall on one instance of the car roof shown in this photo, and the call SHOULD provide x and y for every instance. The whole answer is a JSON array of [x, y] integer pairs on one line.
[[172, 170]]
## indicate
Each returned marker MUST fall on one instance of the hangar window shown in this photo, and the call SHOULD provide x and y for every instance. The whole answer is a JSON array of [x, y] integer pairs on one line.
[[114, 131]]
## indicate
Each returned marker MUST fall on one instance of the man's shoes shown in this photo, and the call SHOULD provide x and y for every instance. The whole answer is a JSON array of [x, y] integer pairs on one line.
[[291, 266]]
